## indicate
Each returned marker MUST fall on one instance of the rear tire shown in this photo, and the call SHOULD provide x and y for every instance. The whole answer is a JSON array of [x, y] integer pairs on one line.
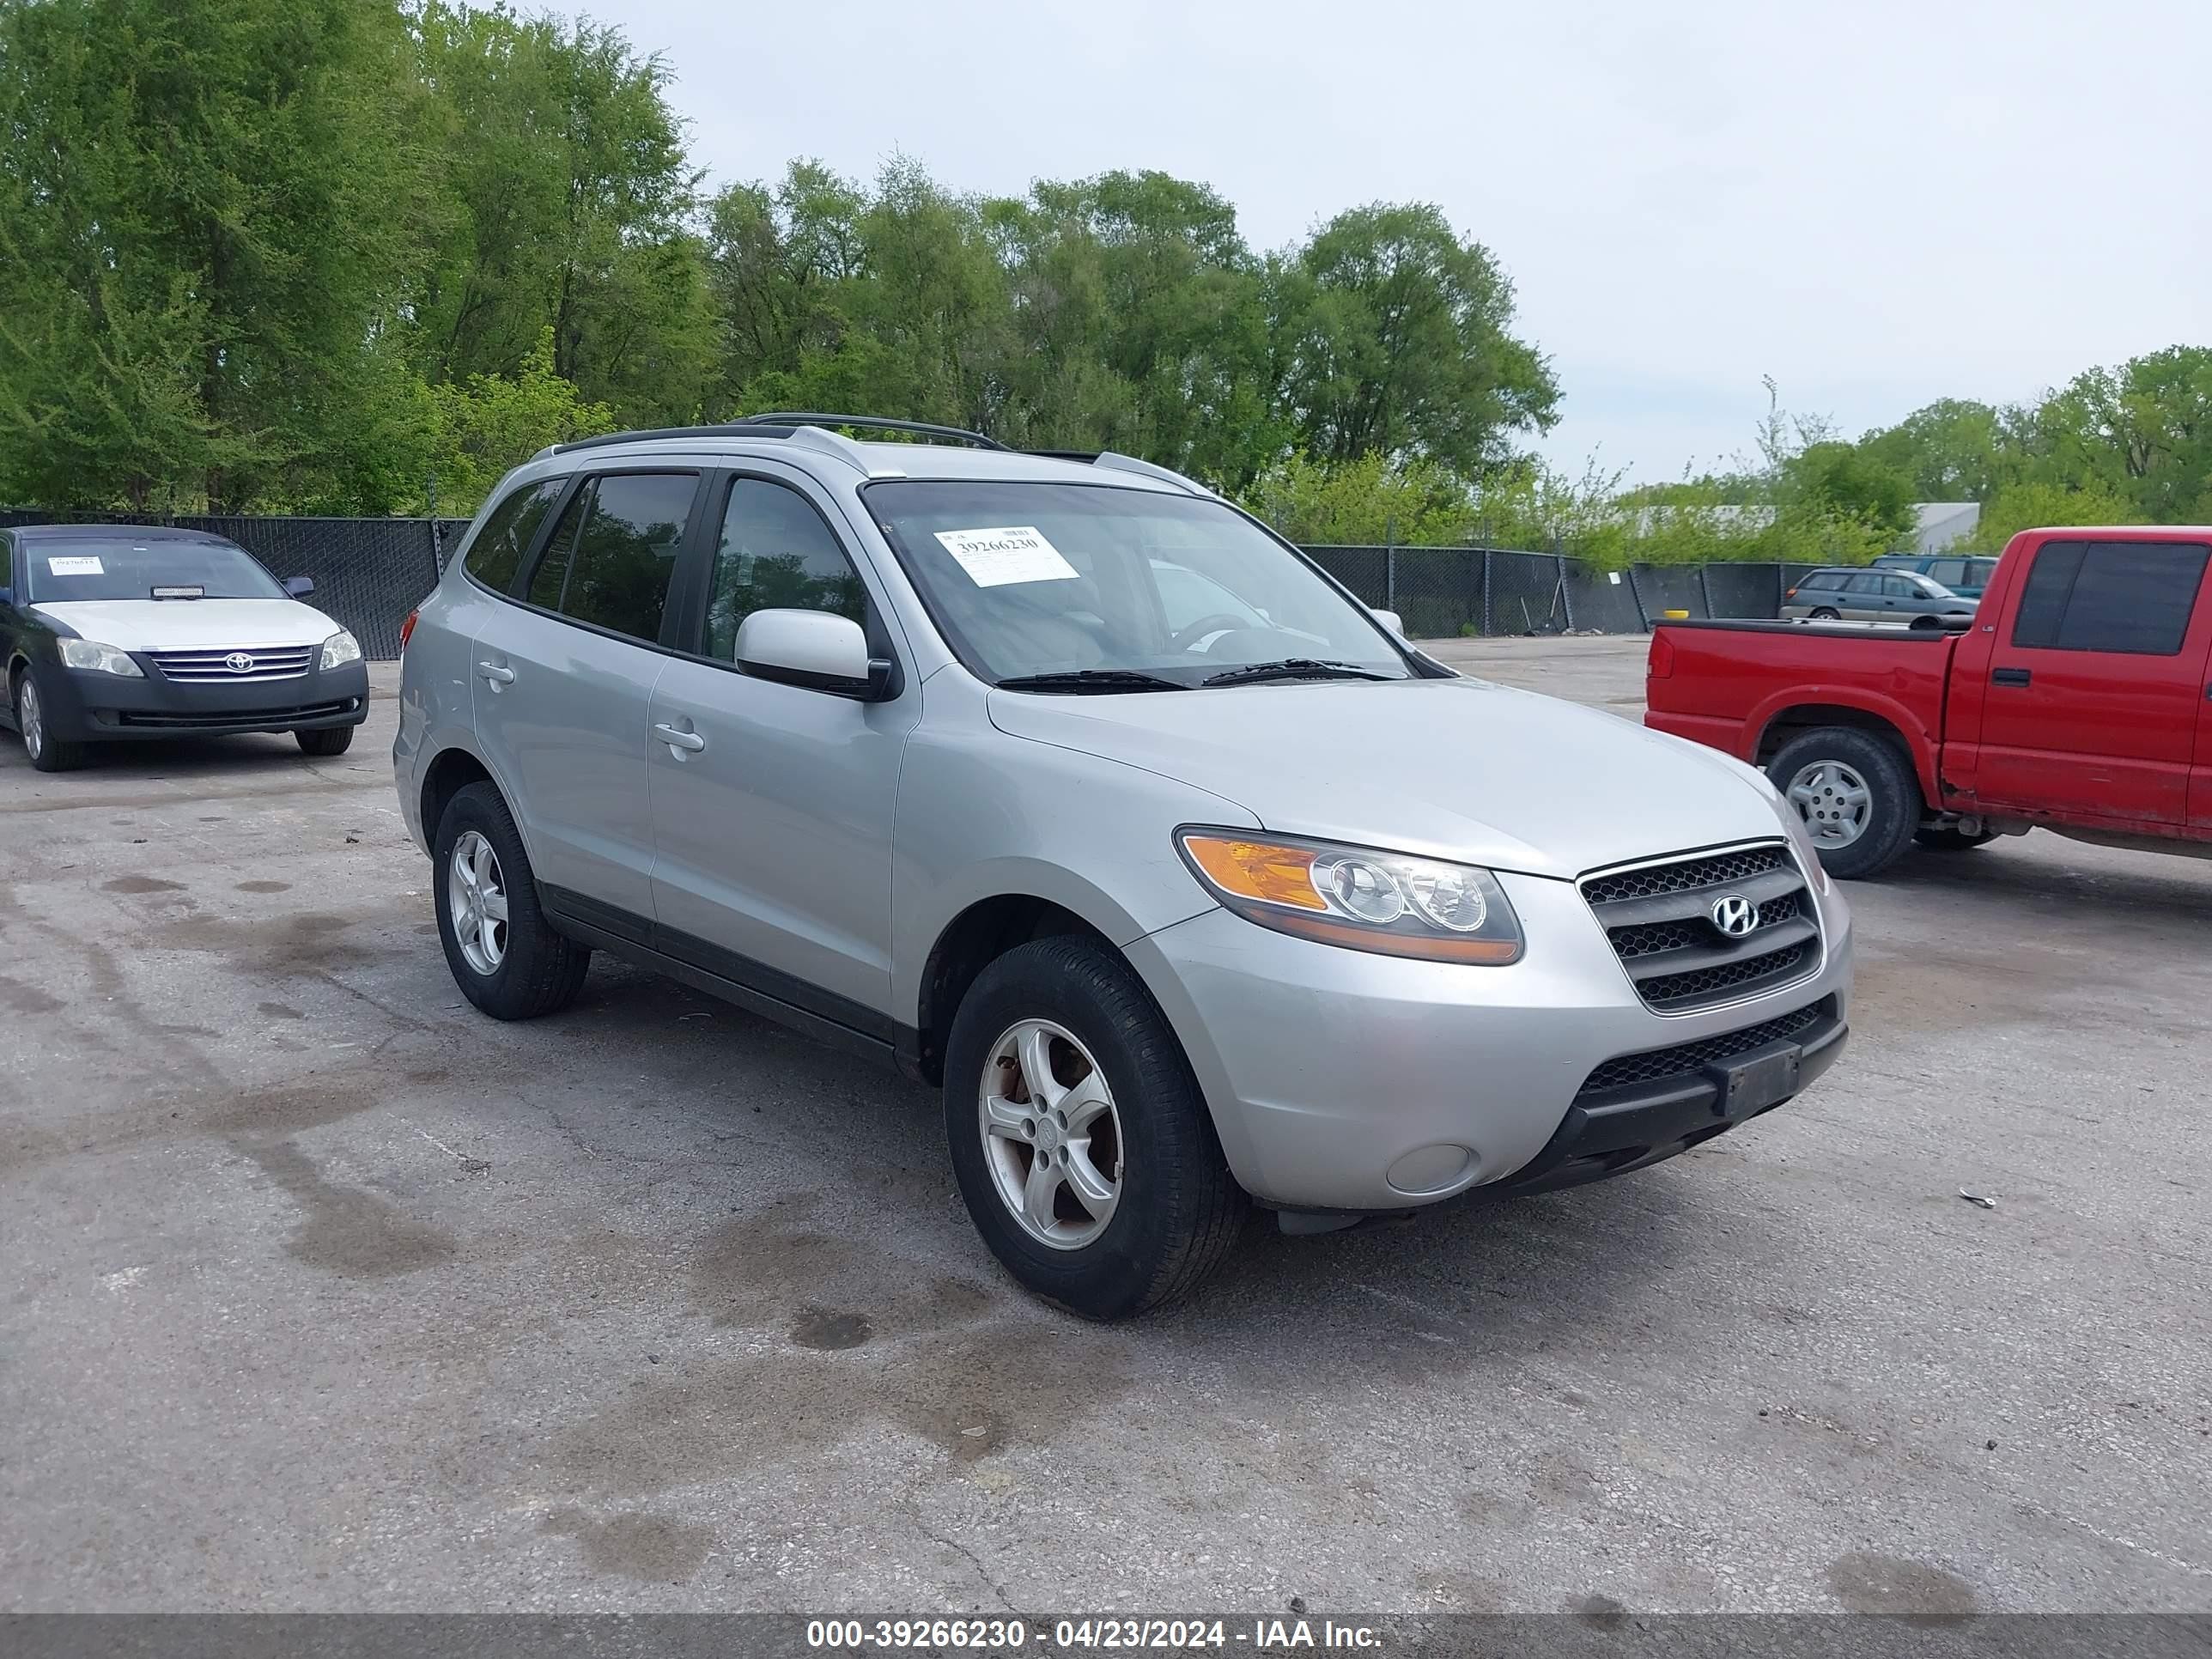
[[504, 955], [1824, 613], [1174, 1211], [47, 752], [1856, 792], [1951, 841], [329, 740]]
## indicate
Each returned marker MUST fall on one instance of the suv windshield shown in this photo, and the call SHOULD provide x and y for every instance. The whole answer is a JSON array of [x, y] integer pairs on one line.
[[1088, 579], [85, 568]]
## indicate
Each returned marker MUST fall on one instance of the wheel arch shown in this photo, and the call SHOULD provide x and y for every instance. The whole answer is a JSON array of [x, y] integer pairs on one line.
[[1878, 716], [971, 941]]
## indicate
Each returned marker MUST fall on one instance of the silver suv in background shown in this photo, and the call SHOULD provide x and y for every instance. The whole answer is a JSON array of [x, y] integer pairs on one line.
[[1890, 596], [1067, 786]]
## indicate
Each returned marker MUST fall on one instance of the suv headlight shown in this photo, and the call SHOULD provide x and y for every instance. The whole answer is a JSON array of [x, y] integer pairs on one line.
[[340, 649], [1391, 904], [102, 659]]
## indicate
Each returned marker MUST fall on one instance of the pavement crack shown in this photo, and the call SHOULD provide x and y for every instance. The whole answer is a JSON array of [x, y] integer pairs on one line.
[[952, 1543]]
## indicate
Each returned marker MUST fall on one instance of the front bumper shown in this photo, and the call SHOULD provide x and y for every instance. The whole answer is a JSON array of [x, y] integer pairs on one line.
[[1344, 1081], [86, 706]]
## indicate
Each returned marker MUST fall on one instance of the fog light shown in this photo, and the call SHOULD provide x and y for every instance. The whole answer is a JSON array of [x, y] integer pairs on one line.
[[1432, 1170]]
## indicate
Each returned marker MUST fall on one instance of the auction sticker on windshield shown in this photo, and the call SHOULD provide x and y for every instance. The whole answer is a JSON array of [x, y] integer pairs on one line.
[[1011, 553], [83, 566]]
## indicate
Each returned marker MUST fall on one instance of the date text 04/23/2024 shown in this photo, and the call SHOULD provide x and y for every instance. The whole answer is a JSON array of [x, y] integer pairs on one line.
[[1013, 1635]]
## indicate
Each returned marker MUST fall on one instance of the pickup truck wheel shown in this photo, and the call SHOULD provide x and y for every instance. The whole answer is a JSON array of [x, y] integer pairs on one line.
[[1951, 841], [504, 954], [1079, 1139], [1855, 793]]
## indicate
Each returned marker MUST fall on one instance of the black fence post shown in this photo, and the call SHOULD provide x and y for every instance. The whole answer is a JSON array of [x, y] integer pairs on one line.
[[1636, 588], [1566, 594], [1488, 623], [1706, 589]]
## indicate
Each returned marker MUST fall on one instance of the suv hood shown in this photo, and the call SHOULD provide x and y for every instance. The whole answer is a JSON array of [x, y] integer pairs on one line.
[[1457, 769], [189, 625]]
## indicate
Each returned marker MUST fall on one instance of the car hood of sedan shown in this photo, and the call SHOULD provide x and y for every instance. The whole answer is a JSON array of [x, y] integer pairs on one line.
[[1457, 769], [190, 624]]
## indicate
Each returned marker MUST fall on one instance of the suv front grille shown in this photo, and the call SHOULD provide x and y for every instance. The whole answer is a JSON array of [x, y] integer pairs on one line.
[[262, 662], [1687, 1059], [1659, 919]]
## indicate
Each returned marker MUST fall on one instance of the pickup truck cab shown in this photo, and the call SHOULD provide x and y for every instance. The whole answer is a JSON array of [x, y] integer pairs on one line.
[[2075, 701]]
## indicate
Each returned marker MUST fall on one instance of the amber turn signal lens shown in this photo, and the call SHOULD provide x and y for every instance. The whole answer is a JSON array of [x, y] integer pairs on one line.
[[1257, 870]]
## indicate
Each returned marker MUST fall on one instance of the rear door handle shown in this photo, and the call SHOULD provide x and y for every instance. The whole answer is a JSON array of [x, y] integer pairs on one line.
[[676, 740], [2011, 676], [495, 674]]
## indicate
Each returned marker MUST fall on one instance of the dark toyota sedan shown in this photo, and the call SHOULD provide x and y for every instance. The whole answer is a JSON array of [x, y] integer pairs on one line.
[[114, 631]]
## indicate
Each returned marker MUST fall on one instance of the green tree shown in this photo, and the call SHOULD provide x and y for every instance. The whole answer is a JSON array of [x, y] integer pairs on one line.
[[491, 423], [206, 244], [2026, 506], [1952, 450], [1391, 336], [1838, 480], [566, 202], [2142, 432]]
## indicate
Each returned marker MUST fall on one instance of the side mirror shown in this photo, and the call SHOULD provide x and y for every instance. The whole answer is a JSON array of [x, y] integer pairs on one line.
[[1389, 619], [299, 586], [813, 649]]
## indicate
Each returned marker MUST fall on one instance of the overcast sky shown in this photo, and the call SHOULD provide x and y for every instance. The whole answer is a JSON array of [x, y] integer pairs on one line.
[[1877, 204]]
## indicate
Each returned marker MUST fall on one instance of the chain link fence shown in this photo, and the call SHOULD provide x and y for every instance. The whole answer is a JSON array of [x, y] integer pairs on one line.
[[369, 573], [1446, 591]]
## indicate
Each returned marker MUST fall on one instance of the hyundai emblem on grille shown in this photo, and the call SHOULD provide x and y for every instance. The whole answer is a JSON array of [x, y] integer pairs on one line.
[[1735, 914], [238, 662]]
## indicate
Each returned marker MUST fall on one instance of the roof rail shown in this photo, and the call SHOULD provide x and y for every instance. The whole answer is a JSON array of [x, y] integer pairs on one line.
[[1121, 463], [873, 424], [748, 429]]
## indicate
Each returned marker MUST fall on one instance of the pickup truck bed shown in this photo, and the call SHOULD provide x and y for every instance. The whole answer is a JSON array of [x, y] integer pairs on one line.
[[2077, 701]]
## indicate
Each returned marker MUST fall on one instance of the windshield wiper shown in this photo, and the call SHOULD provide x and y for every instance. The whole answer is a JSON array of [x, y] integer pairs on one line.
[[1092, 680], [1293, 668]]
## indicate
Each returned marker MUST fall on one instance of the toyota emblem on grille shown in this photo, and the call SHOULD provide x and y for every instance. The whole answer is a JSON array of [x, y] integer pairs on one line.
[[1735, 914], [239, 663]]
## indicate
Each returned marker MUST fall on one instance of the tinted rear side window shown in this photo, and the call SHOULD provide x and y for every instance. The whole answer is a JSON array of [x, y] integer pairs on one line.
[[496, 553], [2128, 597], [611, 562]]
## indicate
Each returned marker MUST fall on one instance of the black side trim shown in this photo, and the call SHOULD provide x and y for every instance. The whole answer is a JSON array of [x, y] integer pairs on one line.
[[824, 1015]]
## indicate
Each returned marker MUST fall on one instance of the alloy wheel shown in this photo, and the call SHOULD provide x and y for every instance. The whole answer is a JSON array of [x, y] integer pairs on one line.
[[1051, 1137], [1833, 800], [475, 893]]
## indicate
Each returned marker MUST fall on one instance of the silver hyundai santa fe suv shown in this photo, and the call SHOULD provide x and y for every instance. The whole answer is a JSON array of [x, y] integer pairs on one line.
[[1069, 786]]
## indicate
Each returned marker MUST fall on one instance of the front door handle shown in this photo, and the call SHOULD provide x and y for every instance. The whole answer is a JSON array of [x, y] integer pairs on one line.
[[2011, 676], [676, 740], [496, 674]]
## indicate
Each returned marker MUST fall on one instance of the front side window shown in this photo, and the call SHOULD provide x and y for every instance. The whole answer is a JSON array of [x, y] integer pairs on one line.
[[1029, 579], [1900, 587], [2132, 597], [776, 553], [612, 557], [67, 568], [496, 553]]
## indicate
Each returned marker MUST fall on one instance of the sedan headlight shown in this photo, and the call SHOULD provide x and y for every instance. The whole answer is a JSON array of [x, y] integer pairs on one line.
[[1389, 903], [340, 649], [100, 658]]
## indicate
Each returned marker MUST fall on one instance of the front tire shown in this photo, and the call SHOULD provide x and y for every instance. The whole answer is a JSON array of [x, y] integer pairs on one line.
[[1856, 792], [47, 753], [329, 740], [1098, 1183], [504, 954]]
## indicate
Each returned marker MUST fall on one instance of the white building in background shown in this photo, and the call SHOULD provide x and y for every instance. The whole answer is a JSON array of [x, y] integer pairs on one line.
[[1937, 526], [1943, 524]]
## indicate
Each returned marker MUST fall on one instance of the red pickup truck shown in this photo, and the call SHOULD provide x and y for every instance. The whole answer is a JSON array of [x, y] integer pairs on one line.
[[2076, 699]]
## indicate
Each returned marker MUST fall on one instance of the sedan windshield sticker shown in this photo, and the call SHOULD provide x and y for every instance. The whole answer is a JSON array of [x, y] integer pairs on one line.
[[1011, 553], [80, 565]]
